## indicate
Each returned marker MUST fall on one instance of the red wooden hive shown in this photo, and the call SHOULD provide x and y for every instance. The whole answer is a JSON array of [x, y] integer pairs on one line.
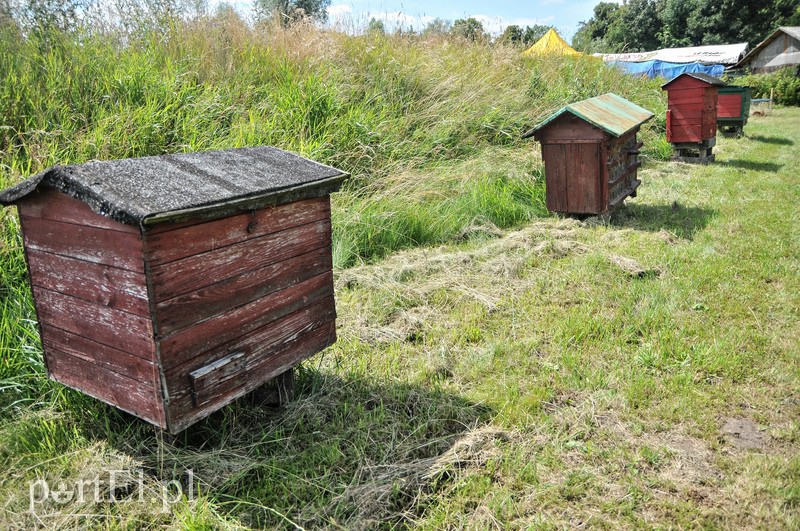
[[692, 108], [590, 154], [169, 286]]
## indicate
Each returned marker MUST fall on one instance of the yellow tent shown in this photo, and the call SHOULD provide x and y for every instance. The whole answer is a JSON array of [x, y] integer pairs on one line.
[[551, 43]]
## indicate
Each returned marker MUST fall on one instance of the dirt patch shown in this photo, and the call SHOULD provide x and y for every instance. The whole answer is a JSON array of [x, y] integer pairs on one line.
[[744, 434]]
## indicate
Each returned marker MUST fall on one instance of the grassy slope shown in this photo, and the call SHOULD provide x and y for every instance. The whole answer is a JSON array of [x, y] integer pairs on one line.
[[566, 373]]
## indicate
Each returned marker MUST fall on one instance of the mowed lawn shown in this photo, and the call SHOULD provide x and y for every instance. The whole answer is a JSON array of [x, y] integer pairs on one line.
[[642, 371]]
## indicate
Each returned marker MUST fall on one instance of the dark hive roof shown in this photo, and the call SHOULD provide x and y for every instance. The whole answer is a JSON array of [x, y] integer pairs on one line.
[[711, 80], [209, 184]]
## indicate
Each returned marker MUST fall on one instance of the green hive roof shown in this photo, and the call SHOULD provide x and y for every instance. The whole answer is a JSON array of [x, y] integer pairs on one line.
[[614, 115]]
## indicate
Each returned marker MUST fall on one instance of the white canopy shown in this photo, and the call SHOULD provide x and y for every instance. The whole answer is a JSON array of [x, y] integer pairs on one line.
[[724, 54]]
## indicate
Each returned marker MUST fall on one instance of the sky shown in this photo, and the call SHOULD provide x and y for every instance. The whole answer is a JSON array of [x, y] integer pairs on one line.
[[495, 15]]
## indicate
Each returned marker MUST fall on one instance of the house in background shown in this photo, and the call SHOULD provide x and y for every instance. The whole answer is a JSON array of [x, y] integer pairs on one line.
[[779, 50]]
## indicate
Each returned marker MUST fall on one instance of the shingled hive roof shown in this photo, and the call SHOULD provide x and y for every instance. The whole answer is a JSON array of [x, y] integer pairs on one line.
[[210, 184]]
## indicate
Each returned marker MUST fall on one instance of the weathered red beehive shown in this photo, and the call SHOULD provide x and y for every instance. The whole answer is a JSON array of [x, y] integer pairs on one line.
[[692, 115], [590, 154], [169, 286]]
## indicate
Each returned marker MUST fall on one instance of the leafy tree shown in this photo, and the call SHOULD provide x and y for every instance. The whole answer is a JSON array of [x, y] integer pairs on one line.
[[511, 35], [290, 11], [640, 25], [534, 33], [591, 34], [469, 28], [437, 26], [376, 27]]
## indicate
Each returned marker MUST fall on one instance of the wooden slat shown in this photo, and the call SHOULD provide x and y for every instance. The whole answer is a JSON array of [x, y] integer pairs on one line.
[[221, 297], [50, 204], [555, 157], [183, 411], [125, 393], [100, 284], [189, 342], [166, 246], [121, 330], [583, 182], [195, 272], [256, 343], [90, 244], [114, 360]]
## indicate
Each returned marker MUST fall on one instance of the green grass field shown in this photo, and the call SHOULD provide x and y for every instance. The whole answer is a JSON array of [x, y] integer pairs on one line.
[[642, 372], [497, 367]]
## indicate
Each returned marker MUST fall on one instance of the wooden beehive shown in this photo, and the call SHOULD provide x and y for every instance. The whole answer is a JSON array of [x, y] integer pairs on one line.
[[692, 115], [169, 286], [590, 154], [733, 109]]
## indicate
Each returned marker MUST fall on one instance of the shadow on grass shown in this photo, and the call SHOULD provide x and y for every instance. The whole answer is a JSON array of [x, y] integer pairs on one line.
[[751, 165], [348, 451], [684, 222], [772, 140]]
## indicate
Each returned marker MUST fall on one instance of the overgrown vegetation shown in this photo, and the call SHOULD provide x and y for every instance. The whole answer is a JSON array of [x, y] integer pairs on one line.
[[407, 117], [645, 25], [783, 85], [531, 372]]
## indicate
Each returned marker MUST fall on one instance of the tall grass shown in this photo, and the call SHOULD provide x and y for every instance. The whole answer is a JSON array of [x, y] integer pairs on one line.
[[376, 106]]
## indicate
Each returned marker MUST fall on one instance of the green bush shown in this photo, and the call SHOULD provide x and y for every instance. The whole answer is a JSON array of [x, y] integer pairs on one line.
[[783, 84]]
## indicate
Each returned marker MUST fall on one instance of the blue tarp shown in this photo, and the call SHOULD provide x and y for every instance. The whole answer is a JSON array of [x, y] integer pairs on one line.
[[666, 70]]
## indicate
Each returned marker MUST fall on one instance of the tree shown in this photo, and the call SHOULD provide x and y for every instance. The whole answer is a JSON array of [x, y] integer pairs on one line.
[[376, 27], [290, 11], [437, 26], [592, 34], [641, 25], [469, 28], [534, 33], [511, 35]]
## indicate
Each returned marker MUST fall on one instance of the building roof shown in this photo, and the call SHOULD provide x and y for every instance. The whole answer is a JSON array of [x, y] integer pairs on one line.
[[211, 184], [551, 43], [609, 112], [792, 31], [711, 80], [720, 54]]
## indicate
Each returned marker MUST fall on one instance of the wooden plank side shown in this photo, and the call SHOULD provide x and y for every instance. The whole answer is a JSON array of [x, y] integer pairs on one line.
[[184, 310], [676, 98], [166, 246], [90, 244], [206, 335], [183, 411], [121, 330], [254, 346], [201, 270], [46, 203], [556, 176], [119, 391], [109, 358], [569, 127], [589, 157], [582, 169], [100, 284], [685, 134]]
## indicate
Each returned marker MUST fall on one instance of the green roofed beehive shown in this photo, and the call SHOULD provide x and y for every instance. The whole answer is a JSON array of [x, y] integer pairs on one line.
[[590, 154], [169, 286]]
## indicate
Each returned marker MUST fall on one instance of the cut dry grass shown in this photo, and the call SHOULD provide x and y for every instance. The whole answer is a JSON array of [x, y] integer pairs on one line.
[[505, 370]]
